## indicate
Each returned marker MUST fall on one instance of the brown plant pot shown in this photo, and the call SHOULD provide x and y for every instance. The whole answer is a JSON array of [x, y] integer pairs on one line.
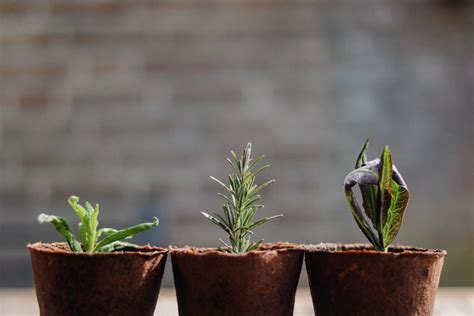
[[262, 282], [117, 283], [355, 279]]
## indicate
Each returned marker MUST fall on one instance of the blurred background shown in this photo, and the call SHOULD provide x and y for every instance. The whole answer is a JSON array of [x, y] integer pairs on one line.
[[135, 103]]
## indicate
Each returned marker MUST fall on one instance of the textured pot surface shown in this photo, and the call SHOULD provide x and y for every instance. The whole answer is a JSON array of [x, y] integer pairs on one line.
[[355, 279], [262, 282], [117, 283]]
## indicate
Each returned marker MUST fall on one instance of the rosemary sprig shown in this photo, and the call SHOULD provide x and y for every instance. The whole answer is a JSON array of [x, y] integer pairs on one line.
[[241, 202]]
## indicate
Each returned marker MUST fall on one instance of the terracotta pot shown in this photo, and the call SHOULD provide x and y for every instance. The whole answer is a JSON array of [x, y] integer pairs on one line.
[[117, 283], [355, 279], [262, 282]]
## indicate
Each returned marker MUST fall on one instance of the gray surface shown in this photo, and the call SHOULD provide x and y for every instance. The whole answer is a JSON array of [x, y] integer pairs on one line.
[[449, 302]]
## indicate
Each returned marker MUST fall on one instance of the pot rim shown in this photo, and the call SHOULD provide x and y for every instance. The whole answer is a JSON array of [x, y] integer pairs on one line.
[[264, 248], [369, 250], [60, 248]]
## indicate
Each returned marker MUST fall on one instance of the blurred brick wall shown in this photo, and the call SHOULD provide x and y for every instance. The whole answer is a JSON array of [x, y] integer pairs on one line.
[[135, 103]]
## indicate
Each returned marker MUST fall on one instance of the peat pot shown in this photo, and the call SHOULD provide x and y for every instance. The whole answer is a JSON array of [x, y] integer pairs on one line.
[[125, 282], [355, 279], [261, 282]]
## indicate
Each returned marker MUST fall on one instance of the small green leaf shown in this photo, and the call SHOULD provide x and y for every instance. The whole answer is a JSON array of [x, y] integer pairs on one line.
[[217, 222], [105, 231], [255, 245], [80, 211], [124, 233], [385, 187], [84, 215], [64, 228], [398, 205], [89, 208], [82, 231], [262, 221], [93, 223], [361, 158], [220, 182], [117, 245]]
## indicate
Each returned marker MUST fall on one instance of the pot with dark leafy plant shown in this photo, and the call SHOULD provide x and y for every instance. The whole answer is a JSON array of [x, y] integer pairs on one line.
[[376, 278], [100, 273], [243, 277]]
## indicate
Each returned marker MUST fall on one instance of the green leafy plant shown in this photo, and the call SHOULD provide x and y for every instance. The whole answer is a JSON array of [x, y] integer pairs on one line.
[[89, 237], [384, 197], [241, 203]]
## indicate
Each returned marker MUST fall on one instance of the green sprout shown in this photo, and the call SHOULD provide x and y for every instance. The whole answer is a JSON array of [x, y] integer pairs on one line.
[[241, 203], [89, 236], [384, 197]]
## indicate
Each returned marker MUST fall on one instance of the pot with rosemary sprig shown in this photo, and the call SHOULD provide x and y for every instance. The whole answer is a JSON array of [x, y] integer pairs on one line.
[[376, 278], [243, 277], [99, 274]]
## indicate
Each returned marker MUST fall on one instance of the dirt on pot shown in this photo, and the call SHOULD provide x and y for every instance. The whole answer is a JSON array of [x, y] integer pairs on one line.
[[125, 282], [261, 282], [355, 279]]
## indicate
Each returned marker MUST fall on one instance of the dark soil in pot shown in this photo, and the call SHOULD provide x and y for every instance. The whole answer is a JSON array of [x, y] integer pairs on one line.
[[355, 279], [262, 282], [123, 282]]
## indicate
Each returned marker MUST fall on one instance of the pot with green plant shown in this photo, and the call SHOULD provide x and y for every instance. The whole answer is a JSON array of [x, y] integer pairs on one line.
[[376, 278], [99, 273], [242, 277]]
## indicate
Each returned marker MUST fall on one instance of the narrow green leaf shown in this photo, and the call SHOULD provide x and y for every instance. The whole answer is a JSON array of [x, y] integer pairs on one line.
[[254, 246], [225, 244], [64, 228], [368, 233], [222, 220], [226, 198], [262, 186], [93, 223], [221, 183], [82, 231], [80, 211], [397, 208], [124, 233], [105, 231], [385, 186], [229, 213], [263, 220], [117, 245], [255, 161], [217, 222], [369, 192], [89, 208], [361, 158], [247, 217], [84, 215], [260, 170]]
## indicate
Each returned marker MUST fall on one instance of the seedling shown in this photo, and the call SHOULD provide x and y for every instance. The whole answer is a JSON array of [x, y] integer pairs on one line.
[[89, 236], [384, 197], [240, 204]]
